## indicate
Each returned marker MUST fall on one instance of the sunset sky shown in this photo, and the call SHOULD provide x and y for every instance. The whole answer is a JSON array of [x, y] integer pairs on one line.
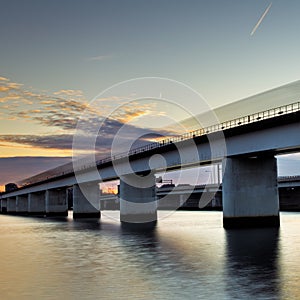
[[56, 56]]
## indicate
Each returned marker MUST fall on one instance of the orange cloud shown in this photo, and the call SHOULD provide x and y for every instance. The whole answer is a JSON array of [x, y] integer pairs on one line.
[[76, 93], [10, 149], [6, 86], [60, 112]]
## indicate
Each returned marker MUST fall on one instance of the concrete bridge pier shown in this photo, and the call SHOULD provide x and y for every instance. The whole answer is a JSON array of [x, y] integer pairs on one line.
[[3, 206], [56, 203], [36, 204], [138, 205], [11, 205], [250, 193], [86, 200], [22, 205]]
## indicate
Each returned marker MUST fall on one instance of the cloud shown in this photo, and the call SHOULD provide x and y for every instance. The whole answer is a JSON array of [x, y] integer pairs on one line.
[[99, 58], [48, 102], [5, 99], [63, 109], [60, 109], [27, 102], [104, 138], [62, 112], [3, 78], [76, 93], [6, 85], [48, 141]]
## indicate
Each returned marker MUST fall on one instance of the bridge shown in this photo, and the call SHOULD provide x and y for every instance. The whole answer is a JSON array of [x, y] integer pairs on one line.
[[187, 196], [246, 146], [288, 188]]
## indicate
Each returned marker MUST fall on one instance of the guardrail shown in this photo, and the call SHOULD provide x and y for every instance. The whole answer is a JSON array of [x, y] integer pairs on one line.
[[252, 118], [289, 178]]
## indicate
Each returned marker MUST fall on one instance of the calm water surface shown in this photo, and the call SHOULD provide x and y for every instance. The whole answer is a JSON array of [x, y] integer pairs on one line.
[[188, 256]]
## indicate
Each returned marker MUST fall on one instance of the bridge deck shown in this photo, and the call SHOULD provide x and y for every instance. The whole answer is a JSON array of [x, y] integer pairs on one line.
[[271, 118]]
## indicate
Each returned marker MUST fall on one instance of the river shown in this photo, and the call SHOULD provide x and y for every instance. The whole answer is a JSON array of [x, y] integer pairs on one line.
[[188, 256]]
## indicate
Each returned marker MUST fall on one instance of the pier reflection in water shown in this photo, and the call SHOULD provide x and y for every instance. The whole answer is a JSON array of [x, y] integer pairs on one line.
[[252, 268], [188, 256]]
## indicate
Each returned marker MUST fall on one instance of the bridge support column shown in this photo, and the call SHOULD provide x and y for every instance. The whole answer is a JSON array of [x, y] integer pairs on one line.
[[250, 193], [36, 204], [138, 205], [56, 203], [11, 205], [3, 206], [22, 205], [86, 201]]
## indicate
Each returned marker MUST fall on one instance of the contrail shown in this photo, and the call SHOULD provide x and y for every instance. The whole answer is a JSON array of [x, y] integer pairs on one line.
[[261, 19]]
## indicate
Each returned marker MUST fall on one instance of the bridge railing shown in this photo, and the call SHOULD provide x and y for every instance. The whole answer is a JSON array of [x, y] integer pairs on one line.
[[251, 118]]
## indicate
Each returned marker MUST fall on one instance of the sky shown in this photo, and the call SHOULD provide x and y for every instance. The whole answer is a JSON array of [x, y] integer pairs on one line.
[[57, 56]]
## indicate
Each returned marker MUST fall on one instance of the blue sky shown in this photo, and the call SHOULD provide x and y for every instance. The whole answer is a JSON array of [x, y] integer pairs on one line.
[[90, 45], [55, 56]]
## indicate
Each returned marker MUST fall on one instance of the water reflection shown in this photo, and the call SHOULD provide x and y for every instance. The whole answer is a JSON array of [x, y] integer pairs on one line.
[[252, 269], [180, 261], [142, 239], [188, 256]]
